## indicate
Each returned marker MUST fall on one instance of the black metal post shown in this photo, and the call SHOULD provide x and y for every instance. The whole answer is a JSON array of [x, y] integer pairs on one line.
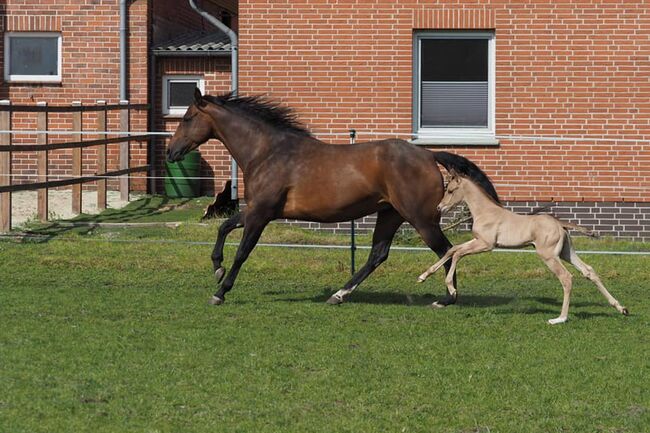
[[353, 244]]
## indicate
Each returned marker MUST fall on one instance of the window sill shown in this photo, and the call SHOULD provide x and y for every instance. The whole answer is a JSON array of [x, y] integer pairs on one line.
[[456, 141], [34, 81], [173, 116]]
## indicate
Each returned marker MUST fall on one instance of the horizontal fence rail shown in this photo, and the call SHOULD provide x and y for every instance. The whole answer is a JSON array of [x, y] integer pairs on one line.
[[42, 147], [70, 108], [73, 180], [387, 134]]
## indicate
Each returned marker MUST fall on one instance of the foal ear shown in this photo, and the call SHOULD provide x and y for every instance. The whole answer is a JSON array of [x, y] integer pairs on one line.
[[198, 98]]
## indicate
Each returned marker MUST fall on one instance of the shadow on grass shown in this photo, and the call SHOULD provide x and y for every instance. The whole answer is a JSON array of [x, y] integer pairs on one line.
[[558, 302], [388, 298], [464, 301], [133, 212]]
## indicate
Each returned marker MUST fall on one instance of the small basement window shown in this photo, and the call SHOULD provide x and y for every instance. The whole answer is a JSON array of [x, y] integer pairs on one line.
[[178, 93], [32, 57], [454, 87]]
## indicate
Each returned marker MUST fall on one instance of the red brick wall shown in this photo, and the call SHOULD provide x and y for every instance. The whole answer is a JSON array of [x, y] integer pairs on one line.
[[90, 72], [216, 73], [569, 68]]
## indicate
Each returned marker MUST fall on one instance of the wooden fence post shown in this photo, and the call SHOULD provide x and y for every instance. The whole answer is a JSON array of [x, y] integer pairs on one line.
[[77, 158], [101, 157], [124, 151], [5, 169], [42, 162]]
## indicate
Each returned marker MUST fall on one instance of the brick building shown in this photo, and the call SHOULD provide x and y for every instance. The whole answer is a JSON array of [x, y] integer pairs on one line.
[[550, 98]]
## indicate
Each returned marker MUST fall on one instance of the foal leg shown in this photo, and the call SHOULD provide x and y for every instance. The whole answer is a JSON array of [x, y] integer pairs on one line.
[[473, 246], [254, 224], [434, 268], [568, 254], [226, 227], [556, 266], [388, 221], [433, 236]]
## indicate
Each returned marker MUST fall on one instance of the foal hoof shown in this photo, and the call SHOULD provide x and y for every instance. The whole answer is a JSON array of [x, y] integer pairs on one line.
[[219, 274], [335, 300], [214, 300]]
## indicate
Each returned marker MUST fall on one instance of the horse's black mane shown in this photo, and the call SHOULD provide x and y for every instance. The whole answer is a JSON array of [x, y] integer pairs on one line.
[[263, 108]]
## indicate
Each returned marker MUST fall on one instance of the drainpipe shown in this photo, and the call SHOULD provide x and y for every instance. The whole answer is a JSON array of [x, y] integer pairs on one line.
[[234, 78], [123, 60], [151, 144]]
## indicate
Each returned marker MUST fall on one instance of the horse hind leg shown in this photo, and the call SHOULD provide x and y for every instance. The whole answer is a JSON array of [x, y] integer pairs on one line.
[[568, 254], [388, 221], [556, 266]]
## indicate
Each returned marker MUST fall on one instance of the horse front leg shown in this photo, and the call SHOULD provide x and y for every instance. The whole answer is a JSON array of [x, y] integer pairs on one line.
[[388, 221], [435, 239], [254, 224], [226, 227]]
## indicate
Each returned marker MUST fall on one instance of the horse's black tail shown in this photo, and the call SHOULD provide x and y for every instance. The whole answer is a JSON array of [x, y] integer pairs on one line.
[[467, 168]]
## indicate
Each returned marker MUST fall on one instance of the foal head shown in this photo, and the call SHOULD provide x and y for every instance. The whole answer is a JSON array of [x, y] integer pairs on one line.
[[195, 129], [454, 193]]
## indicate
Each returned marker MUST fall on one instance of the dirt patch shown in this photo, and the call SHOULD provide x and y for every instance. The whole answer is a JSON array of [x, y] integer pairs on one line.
[[24, 205]]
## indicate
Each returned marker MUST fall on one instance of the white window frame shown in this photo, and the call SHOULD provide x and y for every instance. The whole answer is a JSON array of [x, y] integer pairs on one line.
[[452, 135], [167, 110], [16, 78]]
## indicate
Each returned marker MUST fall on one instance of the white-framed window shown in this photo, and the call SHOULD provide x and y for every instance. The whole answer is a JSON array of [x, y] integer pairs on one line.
[[178, 93], [32, 57], [454, 87]]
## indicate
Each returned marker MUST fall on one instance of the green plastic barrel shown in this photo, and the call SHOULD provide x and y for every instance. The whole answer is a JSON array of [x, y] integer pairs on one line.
[[175, 184]]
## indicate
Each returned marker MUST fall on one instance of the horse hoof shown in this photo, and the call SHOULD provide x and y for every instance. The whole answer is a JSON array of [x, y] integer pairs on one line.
[[437, 305], [215, 301], [557, 320], [219, 274], [421, 279], [625, 311], [335, 300]]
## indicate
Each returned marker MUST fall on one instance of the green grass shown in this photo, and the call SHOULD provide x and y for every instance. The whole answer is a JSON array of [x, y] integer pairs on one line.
[[118, 337]]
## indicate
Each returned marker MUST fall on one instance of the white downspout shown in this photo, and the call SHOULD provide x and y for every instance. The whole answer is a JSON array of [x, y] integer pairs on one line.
[[234, 79]]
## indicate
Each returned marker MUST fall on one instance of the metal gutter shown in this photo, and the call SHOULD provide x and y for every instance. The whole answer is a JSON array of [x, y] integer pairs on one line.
[[234, 47], [124, 95]]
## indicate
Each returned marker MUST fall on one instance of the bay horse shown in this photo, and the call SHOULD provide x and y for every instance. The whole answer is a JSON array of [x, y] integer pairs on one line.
[[495, 226], [290, 174]]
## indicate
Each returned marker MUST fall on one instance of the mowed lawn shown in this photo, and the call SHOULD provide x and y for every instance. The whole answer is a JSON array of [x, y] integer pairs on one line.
[[107, 336]]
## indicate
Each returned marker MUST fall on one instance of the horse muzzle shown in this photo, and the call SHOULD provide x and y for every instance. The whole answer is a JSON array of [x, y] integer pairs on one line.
[[174, 156]]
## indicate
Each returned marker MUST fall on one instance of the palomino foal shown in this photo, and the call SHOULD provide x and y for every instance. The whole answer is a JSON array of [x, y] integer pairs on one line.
[[495, 226]]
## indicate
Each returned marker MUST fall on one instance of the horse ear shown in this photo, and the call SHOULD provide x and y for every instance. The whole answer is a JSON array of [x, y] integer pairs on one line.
[[198, 98]]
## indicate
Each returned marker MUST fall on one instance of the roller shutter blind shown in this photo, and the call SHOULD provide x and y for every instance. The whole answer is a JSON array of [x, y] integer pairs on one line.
[[454, 83]]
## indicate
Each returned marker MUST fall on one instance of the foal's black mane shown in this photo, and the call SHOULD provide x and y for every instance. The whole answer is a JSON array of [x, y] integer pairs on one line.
[[261, 107]]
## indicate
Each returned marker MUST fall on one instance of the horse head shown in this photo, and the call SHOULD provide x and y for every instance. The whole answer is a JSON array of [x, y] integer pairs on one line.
[[195, 129], [453, 193]]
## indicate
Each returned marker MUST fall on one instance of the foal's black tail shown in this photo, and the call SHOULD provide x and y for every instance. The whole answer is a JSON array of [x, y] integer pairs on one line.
[[467, 168]]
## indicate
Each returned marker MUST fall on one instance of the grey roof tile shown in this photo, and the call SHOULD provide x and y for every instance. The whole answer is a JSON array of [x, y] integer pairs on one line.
[[195, 43]]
